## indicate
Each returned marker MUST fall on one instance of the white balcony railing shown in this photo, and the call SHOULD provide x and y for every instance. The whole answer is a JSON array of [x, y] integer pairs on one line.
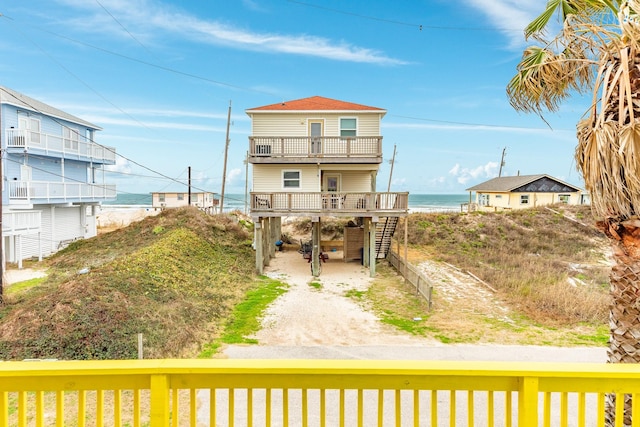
[[52, 192], [21, 222], [78, 147]]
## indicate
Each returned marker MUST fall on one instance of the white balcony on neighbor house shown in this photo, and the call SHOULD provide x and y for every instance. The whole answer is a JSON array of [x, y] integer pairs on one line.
[[315, 149], [21, 222], [76, 147], [30, 192], [329, 203]]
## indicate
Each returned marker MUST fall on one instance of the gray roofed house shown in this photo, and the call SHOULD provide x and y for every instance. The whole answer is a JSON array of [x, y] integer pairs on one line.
[[524, 191], [17, 99], [53, 173]]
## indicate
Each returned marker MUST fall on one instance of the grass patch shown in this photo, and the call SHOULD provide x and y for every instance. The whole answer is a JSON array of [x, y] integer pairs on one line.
[[174, 277], [18, 287], [316, 285], [245, 317], [529, 255]]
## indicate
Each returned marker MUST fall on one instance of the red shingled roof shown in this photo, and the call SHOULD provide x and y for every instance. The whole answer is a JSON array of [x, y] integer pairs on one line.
[[316, 103]]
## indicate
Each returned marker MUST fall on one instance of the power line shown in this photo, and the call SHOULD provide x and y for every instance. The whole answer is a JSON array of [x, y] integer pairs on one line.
[[109, 149], [372, 18], [123, 27], [147, 63], [391, 21], [467, 124]]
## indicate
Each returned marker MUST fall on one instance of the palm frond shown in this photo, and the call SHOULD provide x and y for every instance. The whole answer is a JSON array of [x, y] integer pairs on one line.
[[544, 80], [565, 9]]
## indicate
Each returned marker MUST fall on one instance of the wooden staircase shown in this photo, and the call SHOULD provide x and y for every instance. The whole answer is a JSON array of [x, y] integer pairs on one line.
[[384, 232]]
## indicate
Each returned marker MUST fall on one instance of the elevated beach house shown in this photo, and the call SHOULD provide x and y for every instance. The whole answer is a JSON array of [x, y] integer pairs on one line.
[[203, 200], [318, 157], [525, 191], [52, 177]]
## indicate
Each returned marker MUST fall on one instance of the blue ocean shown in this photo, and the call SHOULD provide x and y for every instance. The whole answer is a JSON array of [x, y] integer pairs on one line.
[[417, 202]]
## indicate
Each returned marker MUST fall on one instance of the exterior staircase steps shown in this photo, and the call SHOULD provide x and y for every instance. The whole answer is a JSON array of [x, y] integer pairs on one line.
[[384, 232]]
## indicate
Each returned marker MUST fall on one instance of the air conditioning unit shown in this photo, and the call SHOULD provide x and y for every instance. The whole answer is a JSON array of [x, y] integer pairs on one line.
[[263, 149]]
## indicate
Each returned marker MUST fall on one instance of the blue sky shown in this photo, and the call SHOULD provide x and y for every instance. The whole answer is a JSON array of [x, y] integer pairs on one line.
[[158, 77]]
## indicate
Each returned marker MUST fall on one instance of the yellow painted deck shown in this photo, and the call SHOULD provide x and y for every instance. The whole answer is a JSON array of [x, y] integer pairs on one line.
[[310, 393]]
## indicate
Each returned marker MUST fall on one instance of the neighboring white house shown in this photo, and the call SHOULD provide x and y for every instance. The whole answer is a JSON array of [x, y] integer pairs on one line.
[[525, 191], [203, 200], [318, 157], [52, 176]]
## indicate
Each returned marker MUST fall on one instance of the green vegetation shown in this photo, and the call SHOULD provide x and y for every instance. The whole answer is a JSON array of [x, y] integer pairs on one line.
[[528, 255], [174, 278], [245, 318]]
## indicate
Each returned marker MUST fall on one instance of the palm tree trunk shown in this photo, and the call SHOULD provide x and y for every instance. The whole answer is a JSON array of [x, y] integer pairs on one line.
[[624, 314]]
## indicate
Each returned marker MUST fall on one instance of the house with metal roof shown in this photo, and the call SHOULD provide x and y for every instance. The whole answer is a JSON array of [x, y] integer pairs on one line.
[[525, 191], [318, 157], [53, 177]]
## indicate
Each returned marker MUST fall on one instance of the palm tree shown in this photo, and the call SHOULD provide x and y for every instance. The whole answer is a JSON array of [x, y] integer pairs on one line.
[[597, 49]]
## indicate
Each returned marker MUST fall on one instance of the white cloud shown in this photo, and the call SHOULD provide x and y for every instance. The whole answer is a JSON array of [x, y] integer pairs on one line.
[[122, 166], [509, 16], [149, 19], [469, 175]]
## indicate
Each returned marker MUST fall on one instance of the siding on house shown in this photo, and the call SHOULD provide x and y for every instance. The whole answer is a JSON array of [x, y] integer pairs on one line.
[[297, 124], [48, 168]]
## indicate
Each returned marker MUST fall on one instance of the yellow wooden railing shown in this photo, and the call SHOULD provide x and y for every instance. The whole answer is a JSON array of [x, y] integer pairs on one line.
[[311, 393]]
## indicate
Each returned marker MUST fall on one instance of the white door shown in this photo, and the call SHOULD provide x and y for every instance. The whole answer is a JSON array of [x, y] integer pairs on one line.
[[315, 132]]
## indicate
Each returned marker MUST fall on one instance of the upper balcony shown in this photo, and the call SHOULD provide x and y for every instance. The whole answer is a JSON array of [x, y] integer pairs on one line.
[[76, 148], [315, 149], [23, 193], [329, 204]]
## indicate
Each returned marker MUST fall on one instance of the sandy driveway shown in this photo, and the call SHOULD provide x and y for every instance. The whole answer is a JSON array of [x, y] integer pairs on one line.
[[315, 319], [316, 311]]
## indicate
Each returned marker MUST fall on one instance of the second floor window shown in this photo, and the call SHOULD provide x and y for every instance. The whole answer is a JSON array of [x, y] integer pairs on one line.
[[348, 127], [291, 179], [70, 137]]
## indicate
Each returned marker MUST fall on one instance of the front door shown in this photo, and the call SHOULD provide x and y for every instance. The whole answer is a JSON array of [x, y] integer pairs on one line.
[[315, 132], [331, 185]]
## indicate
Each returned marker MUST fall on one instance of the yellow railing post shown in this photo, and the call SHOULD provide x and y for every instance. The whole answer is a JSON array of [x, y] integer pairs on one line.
[[159, 400], [528, 402]]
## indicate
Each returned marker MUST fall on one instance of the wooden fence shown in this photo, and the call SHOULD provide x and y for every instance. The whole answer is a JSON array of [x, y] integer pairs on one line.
[[412, 275]]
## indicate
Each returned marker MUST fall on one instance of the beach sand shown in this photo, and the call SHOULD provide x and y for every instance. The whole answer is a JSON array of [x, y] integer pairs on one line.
[[110, 219]]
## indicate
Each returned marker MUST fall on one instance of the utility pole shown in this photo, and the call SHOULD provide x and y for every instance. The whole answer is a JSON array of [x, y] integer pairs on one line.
[[189, 181], [393, 160], [1, 235], [502, 163], [224, 169]]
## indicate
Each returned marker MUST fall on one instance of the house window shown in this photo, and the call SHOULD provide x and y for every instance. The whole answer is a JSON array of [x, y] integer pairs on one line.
[[524, 199], [161, 197], [484, 200], [291, 179], [348, 127], [180, 196], [564, 198], [70, 137]]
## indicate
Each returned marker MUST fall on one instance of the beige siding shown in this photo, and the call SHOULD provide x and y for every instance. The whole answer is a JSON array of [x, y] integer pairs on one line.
[[500, 201], [296, 124], [354, 180], [171, 200], [268, 178]]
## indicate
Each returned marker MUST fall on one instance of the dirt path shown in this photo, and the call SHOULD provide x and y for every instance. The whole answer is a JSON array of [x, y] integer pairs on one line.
[[317, 312]]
